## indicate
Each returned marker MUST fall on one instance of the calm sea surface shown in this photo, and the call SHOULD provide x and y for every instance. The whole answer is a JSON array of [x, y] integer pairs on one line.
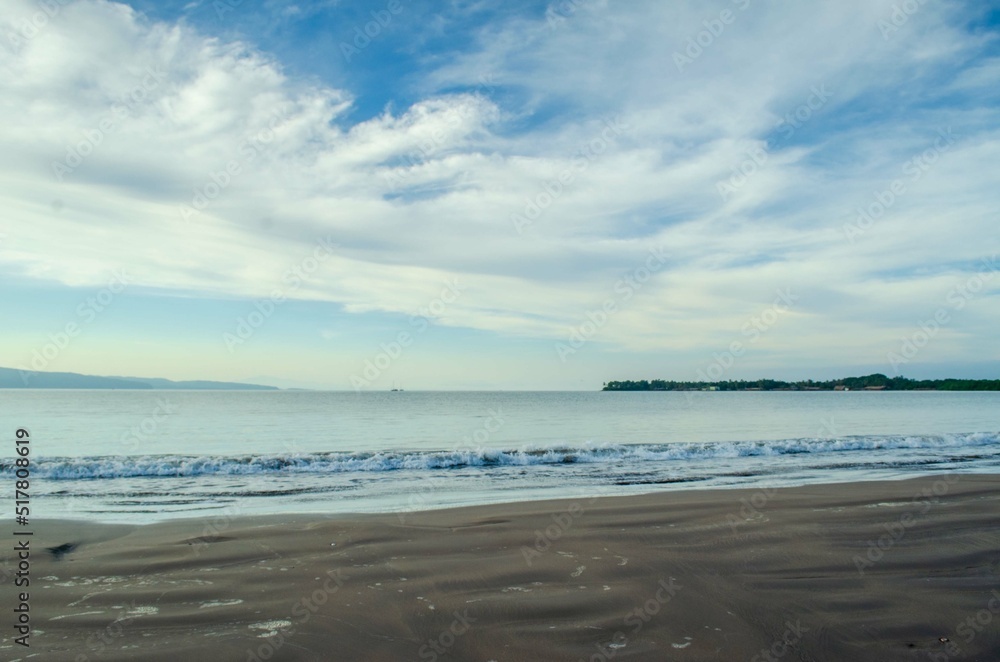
[[147, 455]]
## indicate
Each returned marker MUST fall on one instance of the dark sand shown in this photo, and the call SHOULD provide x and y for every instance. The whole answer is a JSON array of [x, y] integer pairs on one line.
[[697, 575]]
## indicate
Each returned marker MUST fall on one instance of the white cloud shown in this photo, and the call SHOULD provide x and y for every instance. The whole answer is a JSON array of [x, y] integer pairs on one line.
[[417, 197]]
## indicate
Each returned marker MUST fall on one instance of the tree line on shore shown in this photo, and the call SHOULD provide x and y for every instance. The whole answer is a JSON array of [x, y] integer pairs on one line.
[[870, 382]]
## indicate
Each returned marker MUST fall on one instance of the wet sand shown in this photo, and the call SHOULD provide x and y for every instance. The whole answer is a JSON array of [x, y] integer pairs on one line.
[[861, 571]]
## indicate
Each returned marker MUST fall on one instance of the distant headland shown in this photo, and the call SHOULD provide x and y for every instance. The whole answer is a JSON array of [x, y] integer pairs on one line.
[[10, 378], [876, 382]]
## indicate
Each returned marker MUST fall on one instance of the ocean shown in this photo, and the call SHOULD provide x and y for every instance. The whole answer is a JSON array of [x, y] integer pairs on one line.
[[141, 456]]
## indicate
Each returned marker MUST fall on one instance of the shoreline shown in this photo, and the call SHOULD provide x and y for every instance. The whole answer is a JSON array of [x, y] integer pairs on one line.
[[867, 570], [680, 486]]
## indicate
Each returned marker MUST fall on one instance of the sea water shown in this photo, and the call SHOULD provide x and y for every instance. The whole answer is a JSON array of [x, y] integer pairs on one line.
[[139, 456]]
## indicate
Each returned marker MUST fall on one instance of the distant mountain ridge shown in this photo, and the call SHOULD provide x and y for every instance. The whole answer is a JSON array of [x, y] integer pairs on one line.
[[11, 378]]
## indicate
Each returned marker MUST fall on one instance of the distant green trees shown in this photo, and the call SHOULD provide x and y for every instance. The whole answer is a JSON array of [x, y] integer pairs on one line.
[[876, 380]]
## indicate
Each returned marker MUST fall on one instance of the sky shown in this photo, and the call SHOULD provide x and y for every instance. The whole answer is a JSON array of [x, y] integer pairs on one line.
[[481, 195]]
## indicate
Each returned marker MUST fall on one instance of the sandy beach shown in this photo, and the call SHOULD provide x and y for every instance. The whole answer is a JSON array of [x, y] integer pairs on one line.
[[904, 570]]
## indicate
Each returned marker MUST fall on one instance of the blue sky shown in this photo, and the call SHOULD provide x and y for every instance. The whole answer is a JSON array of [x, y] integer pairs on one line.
[[518, 195]]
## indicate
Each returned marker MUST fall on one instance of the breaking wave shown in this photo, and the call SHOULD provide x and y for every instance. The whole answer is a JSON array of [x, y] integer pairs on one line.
[[83, 468]]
